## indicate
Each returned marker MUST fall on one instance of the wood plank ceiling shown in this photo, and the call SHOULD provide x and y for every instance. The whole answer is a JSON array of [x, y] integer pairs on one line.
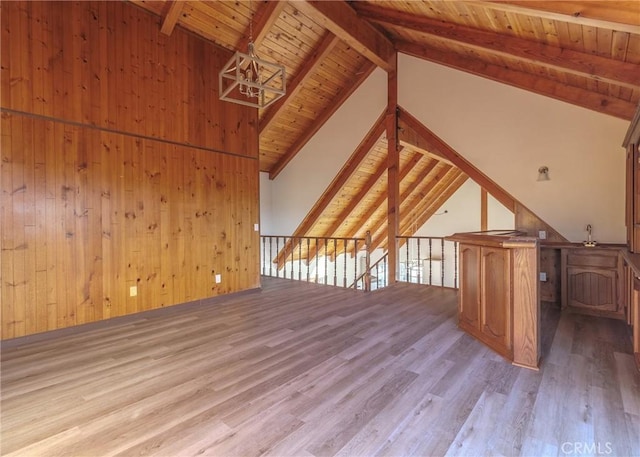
[[586, 53]]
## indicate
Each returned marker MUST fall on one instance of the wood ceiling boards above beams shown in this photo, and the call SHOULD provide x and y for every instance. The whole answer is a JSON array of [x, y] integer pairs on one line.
[[624, 16], [293, 87], [343, 21], [339, 180], [565, 60], [171, 18], [335, 104], [458, 178], [533, 83], [364, 220], [263, 20], [353, 203], [430, 141], [413, 187]]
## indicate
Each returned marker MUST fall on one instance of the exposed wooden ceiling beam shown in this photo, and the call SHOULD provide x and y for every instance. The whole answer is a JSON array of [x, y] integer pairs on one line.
[[430, 141], [171, 18], [591, 66], [351, 165], [424, 212], [335, 104], [576, 96], [379, 240], [354, 201], [413, 145], [295, 85], [364, 225], [343, 21], [623, 16], [263, 20]]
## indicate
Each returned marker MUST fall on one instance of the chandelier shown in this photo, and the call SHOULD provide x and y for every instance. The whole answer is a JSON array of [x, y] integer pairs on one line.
[[248, 80]]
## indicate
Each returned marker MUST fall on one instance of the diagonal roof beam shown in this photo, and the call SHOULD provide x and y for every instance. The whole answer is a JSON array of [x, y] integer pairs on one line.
[[424, 212], [624, 16], [171, 18], [343, 21], [415, 158], [335, 104], [440, 174], [353, 203], [533, 83], [430, 142], [368, 142], [590, 66], [295, 85], [263, 19]]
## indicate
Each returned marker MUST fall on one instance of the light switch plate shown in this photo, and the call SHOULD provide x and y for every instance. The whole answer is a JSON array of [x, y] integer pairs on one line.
[[542, 234]]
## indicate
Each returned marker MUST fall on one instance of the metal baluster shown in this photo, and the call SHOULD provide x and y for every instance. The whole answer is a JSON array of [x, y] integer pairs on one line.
[[442, 267], [308, 244], [277, 261], [430, 262], [455, 264], [316, 258], [355, 263], [406, 269], [299, 259], [419, 262], [270, 255], [344, 273], [325, 260], [335, 262], [292, 244]]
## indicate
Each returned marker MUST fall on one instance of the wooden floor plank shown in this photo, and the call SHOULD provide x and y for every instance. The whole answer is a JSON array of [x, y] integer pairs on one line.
[[298, 369]]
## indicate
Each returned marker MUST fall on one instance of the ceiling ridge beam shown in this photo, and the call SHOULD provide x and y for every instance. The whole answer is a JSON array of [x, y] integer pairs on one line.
[[590, 66], [433, 142], [335, 104], [533, 83], [262, 20], [296, 84], [344, 22], [621, 19]]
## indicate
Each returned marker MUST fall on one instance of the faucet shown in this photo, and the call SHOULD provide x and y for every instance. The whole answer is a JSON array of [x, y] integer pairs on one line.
[[589, 243]]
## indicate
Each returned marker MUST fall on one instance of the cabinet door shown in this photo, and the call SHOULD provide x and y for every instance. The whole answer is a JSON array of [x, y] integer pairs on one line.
[[496, 296], [592, 288], [469, 302]]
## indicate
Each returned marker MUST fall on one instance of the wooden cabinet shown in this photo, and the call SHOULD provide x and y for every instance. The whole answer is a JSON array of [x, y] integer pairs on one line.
[[485, 296], [498, 300], [592, 281]]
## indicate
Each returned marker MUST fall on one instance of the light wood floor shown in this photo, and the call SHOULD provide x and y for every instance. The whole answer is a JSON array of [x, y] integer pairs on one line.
[[306, 370]]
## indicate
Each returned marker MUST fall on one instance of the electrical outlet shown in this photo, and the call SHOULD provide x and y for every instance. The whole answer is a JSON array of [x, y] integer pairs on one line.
[[542, 234], [543, 276], [218, 279], [256, 227], [133, 291]]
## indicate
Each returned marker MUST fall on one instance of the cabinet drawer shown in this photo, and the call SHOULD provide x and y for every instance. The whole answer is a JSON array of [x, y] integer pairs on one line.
[[600, 260]]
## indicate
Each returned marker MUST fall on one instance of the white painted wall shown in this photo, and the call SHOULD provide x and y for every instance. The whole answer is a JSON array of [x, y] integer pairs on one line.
[[506, 132], [509, 133], [296, 189], [463, 214]]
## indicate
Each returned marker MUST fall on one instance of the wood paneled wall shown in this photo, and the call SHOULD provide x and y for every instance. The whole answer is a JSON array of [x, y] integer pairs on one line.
[[120, 168]]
